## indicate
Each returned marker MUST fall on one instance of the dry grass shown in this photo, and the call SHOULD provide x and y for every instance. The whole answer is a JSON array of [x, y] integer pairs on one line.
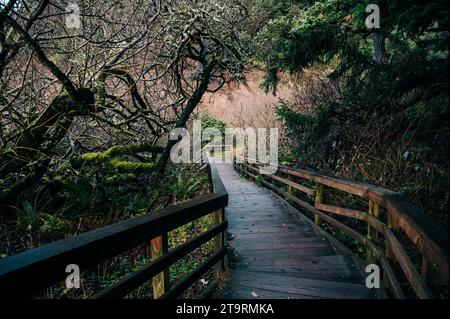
[[244, 104]]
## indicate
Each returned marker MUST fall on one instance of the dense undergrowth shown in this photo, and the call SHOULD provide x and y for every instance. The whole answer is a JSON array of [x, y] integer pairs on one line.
[[371, 104], [401, 145], [85, 204], [88, 205]]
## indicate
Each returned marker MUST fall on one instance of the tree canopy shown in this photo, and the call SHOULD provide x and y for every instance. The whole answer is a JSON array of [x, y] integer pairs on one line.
[[131, 72]]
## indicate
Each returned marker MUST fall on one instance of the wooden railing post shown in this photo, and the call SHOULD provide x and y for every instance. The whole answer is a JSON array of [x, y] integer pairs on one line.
[[290, 192], [219, 240], [393, 224], [319, 198], [160, 246], [258, 176], [372, 233]]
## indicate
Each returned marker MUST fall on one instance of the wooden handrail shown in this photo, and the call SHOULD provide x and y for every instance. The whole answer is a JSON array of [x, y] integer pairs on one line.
[[136, 279], [32, 271], [404, 216]]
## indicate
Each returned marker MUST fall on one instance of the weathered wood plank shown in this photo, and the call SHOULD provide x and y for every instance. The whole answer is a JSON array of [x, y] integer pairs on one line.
[[335, 273], [274, 237], [256, 229], [280, 245], [243, 292], [285, 253], [303, 286]]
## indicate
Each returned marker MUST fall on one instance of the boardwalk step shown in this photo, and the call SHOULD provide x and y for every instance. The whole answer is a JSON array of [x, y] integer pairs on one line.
[[302, 286], [242, 292], [296, 244], [254, 215], [284, 256], [335, 272], [281, 259], [257, 229], [273, 237]]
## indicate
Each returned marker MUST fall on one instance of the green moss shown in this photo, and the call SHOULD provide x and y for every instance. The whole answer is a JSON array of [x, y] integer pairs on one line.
[[113, 151], [79, 161], [108, 158], [92, 156], [129, 166], [108, 161]]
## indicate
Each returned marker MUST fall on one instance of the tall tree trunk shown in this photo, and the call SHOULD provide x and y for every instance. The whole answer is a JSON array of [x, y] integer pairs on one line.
[[185, 115]]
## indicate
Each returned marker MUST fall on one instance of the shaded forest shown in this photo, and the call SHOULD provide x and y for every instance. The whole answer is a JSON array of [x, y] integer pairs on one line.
[[90, 93]]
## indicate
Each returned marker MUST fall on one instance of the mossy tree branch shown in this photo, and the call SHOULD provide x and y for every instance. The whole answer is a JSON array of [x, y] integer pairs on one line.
[[109, 158]]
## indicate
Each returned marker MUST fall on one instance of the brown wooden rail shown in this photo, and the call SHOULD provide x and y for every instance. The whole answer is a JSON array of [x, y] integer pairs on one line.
[[401, 215], [28, 273]]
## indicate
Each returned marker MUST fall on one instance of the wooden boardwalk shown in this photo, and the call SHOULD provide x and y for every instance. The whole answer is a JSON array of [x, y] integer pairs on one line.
[[277, 257]]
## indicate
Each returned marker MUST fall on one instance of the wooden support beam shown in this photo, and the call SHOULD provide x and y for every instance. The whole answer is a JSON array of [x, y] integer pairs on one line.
[[282, 180], [351, 213], [159, 247], [318, 201], [374, 210], [372, 233], [219, 240], [399, 254], [290, 192], [392, 224]]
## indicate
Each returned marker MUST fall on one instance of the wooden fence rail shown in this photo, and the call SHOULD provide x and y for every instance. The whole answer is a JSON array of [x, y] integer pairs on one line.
[[381, 241], [28, 273]]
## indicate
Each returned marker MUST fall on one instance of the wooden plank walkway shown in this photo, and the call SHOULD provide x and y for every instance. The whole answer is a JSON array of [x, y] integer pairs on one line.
[[277, 257]]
